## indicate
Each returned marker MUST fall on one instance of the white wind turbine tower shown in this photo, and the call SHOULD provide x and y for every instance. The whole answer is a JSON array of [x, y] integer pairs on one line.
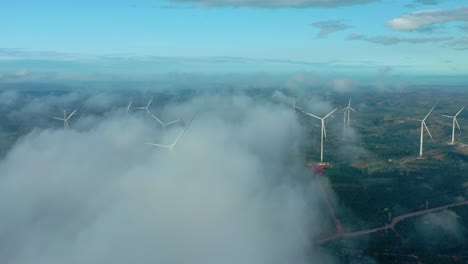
[[146, 107], [346, 115], [454, 122], [424, 126], [65, 118], [323, 131], [172, 146]]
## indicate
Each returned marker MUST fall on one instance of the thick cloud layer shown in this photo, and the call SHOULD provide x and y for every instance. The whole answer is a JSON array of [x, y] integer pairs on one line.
[[231, 192], [433, 228]]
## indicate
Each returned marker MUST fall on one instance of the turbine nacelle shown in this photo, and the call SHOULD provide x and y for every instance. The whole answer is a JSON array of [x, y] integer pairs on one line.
[[146, 107], [320, 118], [164, 125], [65, 118]]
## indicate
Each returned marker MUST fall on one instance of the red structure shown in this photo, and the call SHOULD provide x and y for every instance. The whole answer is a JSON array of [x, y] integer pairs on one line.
[[317, 168]]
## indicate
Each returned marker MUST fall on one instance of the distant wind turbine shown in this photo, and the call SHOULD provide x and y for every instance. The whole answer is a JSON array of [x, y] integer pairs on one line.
[[454, 122], [172, 146], [323, 131], [346, 115], [65, 118], [146, 107], [424, 126]]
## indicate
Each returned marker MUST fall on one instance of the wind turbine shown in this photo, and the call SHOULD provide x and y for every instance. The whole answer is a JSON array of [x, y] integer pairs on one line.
[[424, 126], [129, 105], [172, 146], [65, 118], [164, 125], [346, 115], [454, 122], [323, 131], [146, 107]]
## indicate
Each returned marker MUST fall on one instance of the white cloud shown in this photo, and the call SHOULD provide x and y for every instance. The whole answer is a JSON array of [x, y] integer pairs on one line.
[[329, 26], [227, 194], [444, 225], [419, 19], [342, 85], [393, 40]]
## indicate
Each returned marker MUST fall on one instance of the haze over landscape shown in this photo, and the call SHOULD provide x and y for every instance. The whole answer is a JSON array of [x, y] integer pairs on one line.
[[192, 131], [146, 37]]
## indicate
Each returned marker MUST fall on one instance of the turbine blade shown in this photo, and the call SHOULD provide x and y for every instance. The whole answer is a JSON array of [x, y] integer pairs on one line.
[[72, 114], [297, 107], [430, 111], [330, 113], [129, 105], [352, 109], [428, 132], [448, 116], [158, 145], [183, 131], [312, 115], [456, 122], [58, 118], [157, 119], [324, 131], [172, 122], [149, 102], [459, 111]]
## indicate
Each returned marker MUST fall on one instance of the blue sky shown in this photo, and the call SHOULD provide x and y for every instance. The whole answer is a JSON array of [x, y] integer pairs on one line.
[[270, 35]]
